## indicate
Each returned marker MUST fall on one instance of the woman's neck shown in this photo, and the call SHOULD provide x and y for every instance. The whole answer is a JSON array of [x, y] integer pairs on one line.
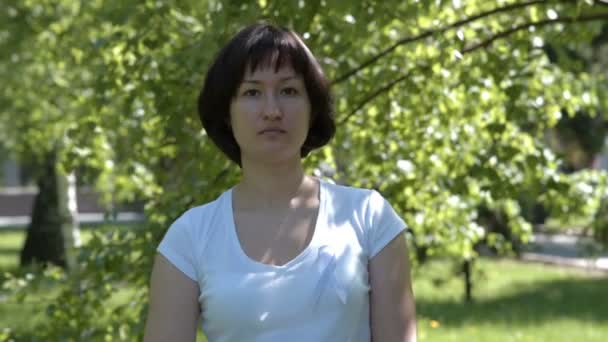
[[273, 185]]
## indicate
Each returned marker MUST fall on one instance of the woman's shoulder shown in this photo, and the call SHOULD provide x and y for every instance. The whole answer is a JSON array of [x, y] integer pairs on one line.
[[345, 188], [201, 215], [347, 193]]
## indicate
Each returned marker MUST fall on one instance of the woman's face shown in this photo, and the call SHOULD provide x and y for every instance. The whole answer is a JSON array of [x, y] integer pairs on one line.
[[270, 114]]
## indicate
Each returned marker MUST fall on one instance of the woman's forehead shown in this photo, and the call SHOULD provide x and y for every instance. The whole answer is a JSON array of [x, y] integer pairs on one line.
[[283, 71], [276, 58]]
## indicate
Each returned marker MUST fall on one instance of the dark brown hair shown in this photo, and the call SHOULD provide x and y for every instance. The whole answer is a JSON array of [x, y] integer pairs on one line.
[[262, 45]]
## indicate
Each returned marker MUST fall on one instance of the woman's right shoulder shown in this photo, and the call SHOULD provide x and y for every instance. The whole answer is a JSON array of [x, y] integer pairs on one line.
[[198, 219], [188, 236]]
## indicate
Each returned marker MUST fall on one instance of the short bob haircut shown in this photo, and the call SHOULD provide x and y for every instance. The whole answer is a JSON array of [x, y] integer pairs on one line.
[[263, 45]]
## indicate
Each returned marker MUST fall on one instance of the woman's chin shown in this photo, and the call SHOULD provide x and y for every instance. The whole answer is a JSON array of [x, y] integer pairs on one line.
[[276, 156]]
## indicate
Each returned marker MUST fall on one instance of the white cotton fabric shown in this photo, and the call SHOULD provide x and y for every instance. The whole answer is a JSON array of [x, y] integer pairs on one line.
[[320, 295]]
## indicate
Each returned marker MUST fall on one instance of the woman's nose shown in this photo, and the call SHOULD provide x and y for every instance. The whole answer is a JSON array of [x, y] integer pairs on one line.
[[272, 110]]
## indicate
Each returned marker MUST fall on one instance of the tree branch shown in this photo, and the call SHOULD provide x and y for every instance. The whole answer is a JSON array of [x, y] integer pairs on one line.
[[372, 96], [472, 48], [429, 33], [524, 26]]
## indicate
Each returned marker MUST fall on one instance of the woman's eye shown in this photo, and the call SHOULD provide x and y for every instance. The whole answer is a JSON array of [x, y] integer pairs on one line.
[[290, 91], [251, 92]]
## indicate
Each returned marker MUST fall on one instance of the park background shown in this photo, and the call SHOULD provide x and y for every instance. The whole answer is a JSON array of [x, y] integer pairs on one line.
[[482, 122]]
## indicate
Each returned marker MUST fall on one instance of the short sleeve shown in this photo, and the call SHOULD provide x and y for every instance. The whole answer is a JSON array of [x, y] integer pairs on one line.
[[383, 223], [177, 247]]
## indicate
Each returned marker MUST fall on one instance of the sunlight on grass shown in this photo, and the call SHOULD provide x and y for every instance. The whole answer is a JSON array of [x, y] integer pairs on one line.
[[513, 301], [11, 242]]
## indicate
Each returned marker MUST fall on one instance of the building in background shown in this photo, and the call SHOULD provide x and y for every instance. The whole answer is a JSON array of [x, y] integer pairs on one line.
[[18, 190]]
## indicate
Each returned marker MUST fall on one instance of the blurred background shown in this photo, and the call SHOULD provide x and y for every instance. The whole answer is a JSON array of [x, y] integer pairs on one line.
[[483, 122]]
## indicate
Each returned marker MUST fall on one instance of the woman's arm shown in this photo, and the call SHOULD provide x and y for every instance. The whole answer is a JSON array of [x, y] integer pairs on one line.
[[392, 307], [174, 311]]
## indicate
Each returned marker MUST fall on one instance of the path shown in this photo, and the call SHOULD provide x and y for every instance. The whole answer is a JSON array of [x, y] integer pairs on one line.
[[566, 250]]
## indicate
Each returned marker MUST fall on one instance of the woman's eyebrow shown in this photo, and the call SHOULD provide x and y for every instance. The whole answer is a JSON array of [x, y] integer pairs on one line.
[[283, 79]]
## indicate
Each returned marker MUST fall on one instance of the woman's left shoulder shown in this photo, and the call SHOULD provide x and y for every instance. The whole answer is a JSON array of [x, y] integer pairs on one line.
[[351, 194]]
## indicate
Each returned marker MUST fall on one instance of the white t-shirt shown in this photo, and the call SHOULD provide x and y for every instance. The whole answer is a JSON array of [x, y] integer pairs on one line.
[[320, 295]]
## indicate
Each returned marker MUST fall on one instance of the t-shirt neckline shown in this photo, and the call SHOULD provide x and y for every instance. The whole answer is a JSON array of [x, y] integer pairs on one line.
[[236, 244]]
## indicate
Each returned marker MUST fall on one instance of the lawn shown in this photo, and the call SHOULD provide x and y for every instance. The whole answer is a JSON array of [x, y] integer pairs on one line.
[[514, 301], [11, 241]]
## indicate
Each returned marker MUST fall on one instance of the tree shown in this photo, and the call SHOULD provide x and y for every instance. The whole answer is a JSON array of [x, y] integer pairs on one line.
[[442, 106], [33, 122]]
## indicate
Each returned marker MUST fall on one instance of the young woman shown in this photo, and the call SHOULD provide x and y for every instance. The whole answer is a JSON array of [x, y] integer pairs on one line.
[[281, 256]]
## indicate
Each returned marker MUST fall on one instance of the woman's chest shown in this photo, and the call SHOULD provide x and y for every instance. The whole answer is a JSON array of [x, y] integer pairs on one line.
[[328, 279], [275, 238]]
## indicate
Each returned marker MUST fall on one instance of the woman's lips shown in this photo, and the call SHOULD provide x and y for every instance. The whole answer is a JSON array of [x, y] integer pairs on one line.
[[272, 131]]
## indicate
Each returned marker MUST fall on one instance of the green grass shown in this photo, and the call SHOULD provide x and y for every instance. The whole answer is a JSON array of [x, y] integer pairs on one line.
[[513, 301], [10, 245]]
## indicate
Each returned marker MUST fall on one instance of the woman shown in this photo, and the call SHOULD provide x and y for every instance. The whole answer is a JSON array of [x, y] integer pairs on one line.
[[281, 256]]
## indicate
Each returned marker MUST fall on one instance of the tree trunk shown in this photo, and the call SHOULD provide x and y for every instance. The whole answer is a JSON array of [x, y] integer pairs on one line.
[[71, 226], [45, 241], [467, 271]]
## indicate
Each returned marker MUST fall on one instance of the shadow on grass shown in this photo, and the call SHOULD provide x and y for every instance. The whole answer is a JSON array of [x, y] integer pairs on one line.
[[579, 299]]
